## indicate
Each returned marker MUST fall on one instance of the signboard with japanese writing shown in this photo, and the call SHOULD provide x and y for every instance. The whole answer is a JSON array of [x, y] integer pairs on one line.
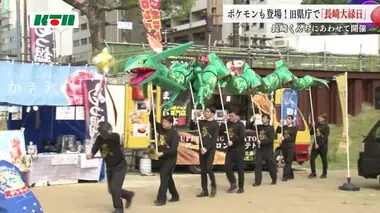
[[94, 106], [152, 17], [289, 104], [41, 45], [188, 149], [39, 84]]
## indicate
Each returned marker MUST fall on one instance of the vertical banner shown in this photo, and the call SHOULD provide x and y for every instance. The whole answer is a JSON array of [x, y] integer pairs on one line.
[[151, 18], [289, 105], [341, 82], [95, 111], [41, 45]]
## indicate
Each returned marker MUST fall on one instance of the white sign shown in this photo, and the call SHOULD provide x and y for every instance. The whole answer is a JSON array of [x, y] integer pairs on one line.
[[65, 113], [79, 113], [294, 13], [124, 25], [65, 159], [54, 20]]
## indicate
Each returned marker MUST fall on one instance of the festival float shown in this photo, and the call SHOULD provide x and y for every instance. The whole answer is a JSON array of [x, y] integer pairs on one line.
[[168, 81]]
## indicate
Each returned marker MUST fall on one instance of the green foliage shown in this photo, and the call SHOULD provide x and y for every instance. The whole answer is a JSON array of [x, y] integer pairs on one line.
[[177, 9]]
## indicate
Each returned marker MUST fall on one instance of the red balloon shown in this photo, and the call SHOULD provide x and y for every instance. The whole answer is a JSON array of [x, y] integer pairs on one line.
[[375, 16]]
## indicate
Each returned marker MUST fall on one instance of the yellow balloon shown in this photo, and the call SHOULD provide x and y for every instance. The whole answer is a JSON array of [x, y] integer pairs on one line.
[[103, 61]]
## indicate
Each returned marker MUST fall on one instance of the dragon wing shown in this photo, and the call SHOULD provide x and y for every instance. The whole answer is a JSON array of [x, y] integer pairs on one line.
[[175, 51]]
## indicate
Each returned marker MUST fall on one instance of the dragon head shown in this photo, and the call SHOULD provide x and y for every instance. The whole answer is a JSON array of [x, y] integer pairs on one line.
[[141, 68], [146, 67]]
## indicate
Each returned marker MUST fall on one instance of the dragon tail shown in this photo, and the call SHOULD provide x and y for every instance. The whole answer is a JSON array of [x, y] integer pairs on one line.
[[308, 81]]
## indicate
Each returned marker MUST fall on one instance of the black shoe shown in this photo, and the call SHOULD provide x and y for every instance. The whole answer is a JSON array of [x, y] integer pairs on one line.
[[323, 176], [159, 203], [174, 199], [284, 179], [232, 189], [240, 191], [129, 200], [312, 175], [256, 184], [203, 194], [291, 178], [118, 211], [273, 182], [213, 192]]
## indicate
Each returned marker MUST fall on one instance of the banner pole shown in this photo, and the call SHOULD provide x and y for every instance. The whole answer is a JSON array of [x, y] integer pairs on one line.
[[196, 115], [347, 186]]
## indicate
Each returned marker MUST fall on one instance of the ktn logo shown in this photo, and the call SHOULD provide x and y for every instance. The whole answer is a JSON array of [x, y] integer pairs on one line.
[[54, 20], [375, 15]]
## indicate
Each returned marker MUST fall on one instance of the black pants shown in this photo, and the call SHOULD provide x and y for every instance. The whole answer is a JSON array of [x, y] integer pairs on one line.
[[266, 155], [235, 158], [288, 153], [115, 180], [166, 180], [206, 163], [321, 151]]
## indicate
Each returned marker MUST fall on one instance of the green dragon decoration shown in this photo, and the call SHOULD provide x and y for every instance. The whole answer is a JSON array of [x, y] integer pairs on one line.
[[204, 73]]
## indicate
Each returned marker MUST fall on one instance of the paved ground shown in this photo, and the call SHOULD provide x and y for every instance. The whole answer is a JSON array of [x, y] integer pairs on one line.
[[298, 196]]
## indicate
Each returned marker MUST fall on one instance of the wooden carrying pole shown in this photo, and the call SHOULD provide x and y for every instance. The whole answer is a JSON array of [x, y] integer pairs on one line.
[[312, 117], [225, 120], [154, 117], [196, 115], [254, 117]]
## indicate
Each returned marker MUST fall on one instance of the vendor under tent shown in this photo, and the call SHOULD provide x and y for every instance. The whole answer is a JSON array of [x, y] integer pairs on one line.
[[55, 114]]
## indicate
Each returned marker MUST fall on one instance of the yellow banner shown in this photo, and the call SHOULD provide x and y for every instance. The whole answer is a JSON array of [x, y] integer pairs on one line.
[[342, 84]]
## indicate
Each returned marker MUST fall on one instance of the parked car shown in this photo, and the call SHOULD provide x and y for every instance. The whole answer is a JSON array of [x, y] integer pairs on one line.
[[369, 157]]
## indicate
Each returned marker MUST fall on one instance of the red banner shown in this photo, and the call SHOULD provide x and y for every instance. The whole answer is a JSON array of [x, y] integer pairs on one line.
[[152, 17]]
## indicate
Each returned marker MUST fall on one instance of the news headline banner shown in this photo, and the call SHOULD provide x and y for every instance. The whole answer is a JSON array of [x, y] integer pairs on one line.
[[294, 13]]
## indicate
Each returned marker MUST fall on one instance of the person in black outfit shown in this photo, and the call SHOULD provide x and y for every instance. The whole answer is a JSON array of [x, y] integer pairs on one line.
[[235, 151], [321, 145], [111, 151], [288, 142], [167, 152], [210, 133], [264, 151]]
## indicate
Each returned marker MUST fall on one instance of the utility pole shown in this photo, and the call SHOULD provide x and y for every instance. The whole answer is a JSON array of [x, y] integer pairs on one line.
[[18, 30], [26, 31]]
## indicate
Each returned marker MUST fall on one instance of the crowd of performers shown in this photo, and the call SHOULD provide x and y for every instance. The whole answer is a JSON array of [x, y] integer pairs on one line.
[[110, 146]]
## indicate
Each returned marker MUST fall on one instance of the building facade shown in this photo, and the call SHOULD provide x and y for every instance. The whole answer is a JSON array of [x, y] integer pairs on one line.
[[8, 20]]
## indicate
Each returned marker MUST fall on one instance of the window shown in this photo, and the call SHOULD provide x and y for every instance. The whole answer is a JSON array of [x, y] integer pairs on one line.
[[76, 43], [254, 24], [246, 27], [213, 10], [199, 36], [83, 41], [76, 30], [83, 26], [261, 25], [261, 0]]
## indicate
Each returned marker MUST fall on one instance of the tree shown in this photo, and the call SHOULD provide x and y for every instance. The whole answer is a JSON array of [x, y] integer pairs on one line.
[[95, 13]]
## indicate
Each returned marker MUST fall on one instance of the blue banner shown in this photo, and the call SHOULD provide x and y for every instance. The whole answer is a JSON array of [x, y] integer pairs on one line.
[[15, 195], [289, 104], [38, 85]]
